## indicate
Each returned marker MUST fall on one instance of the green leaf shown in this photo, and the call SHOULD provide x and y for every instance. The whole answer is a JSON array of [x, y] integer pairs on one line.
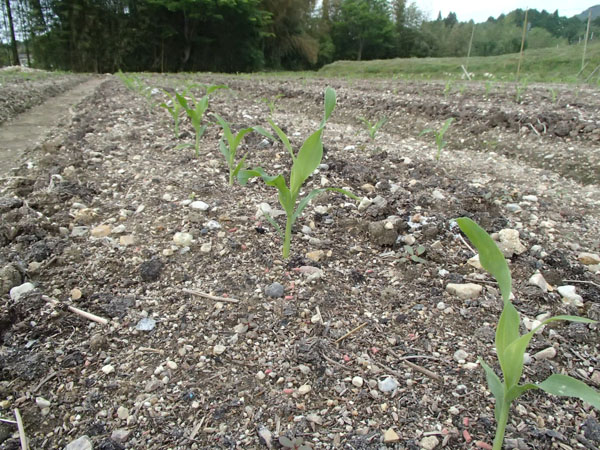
[[330, 101], [238, 167], [286, 442], [213, 88], [490, 256], [182, 101], [226, 130], [516, 391], [277, 181], [283, 137], [275, 224], [308, 159], [566, 386], [264, 132], [446, 125], [239, 136], [495, 385], [507, 333], [224, 150]]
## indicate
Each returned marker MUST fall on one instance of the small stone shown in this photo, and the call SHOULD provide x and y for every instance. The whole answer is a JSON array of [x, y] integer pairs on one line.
[[274, 290], [388, 384], [464, 291], [200, 205], [368, 188], [172, 365], [547, 353], [509, 242], [79, 231], [316, 255], [101, 231], [304, 369], [151, 270], [513, 207], [438, 195], [219, 349], [470, 366], [454, 411], [42, 402], [82, 443], [98, 342], [146, 324], [260, 375], [10, 277], [364, 203], [120, 435], [122, 413], [18, 291], [474, 262], [183, 239], [429, 442], [460, 356], [537, 279], [119, 229], [212, 225], [206, 247], [108, 369], [127, 240], [357, 381], [167, 197], [589, 259], [569, 296], [530, 198], [76, 294], [304, 389], [390, 436]]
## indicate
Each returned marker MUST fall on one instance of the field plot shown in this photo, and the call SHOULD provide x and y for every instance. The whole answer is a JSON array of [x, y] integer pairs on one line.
[[355, 341]]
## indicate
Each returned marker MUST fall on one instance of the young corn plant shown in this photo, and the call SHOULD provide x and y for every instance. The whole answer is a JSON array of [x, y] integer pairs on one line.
[[511, 345], [439, 136], [373, 128], [303, 165], [228, 145], [174, 108], [270, 102], [196, 113]]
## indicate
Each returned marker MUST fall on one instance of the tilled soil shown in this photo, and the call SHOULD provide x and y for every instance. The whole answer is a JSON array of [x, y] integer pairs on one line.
[[203, 349]]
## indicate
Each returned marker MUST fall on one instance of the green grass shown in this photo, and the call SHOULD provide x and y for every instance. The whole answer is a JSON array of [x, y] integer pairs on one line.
[[549, 64]]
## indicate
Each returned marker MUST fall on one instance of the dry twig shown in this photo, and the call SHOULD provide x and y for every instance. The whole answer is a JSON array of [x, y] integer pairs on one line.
[[80, 312], [22, 437], [351, 332], [583, 282], [414, 366], [211, 297]]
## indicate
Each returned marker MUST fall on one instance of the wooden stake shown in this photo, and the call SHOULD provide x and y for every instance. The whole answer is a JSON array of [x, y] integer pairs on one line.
[[522, 45], [587, 33], [469, 51]]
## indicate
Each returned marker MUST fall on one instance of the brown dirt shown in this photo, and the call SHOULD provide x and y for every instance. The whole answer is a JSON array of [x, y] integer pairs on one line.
[[118, 164]]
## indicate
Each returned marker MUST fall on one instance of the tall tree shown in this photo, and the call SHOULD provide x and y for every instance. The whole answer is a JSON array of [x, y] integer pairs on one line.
[[13, 41]]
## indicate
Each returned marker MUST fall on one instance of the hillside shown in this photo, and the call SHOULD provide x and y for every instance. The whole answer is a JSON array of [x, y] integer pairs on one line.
[[595, 13]]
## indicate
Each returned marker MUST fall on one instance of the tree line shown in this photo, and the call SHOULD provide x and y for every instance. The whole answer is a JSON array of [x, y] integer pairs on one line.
[[248, 35]]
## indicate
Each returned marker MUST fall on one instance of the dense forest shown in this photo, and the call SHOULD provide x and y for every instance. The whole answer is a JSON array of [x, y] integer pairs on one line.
[[247, 35]]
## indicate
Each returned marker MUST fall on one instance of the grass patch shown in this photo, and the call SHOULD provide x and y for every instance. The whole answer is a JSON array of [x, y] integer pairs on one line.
[[549, 64]]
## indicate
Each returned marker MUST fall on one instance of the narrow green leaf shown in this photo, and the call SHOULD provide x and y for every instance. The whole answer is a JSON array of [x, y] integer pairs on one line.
[[283, 137], [277, 181], [446, 125], [330, 101], [490, 256], [274, 223], [224, 149], [213, 88], [239, 165], [239, 136], [182, 101], [566, 386], [495, 385], [516, 391], [264, 132], [226, 130], [308, 159], [507, 333]]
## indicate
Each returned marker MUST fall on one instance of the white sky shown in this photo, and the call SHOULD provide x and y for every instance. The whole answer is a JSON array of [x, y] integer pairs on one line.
[[480, 10]]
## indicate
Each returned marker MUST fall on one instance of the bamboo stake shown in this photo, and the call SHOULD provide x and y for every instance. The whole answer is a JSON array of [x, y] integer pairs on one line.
[[587, 33], [469, 51], [522, 45]]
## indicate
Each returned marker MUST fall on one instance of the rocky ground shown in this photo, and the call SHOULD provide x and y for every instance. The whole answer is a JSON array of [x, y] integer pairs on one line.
[[366, 337]]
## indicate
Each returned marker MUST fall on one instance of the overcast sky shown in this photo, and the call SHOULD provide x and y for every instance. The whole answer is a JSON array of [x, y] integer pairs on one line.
[[480, 10]]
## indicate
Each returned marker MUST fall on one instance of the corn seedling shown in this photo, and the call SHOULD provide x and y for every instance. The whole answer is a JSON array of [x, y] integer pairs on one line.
[[447, 88], [439, 136], [413, 254], [270, 102], [520, 90], [373, 128], [554, 95], [303, 165], [174, 108], [196, 113], [511, 345], [228, 145]]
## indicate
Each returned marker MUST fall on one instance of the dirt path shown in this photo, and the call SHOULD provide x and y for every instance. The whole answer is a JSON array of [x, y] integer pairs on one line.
[[26, 130]]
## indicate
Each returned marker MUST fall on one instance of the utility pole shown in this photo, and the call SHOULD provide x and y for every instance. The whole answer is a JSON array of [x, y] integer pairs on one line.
[[13, 41]]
